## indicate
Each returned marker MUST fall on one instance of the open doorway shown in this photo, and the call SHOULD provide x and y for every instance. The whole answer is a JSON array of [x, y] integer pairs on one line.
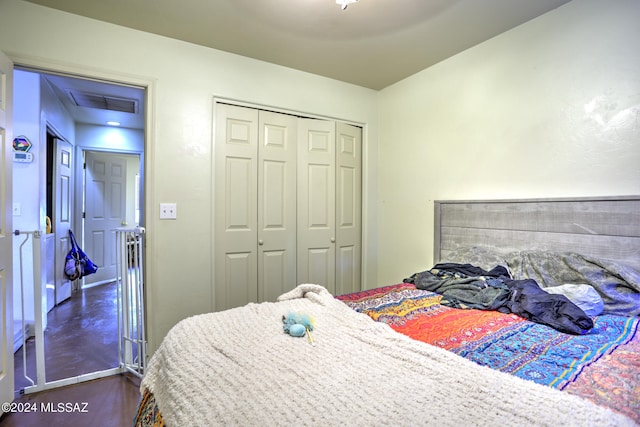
[[69, 119]]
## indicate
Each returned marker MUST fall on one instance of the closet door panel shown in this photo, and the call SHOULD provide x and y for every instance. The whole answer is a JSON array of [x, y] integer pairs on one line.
[[316, 203], [319, 196], [239, 193], [239, 280], [347, 269], [349, 207], [320, 266], [276, 205], [235, 205]]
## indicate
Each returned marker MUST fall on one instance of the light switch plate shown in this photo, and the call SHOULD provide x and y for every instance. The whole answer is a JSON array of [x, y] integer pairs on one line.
[[168, 211]]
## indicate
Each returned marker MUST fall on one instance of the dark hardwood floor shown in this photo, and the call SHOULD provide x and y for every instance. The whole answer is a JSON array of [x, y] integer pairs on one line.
[[80, 338], [104, 402]]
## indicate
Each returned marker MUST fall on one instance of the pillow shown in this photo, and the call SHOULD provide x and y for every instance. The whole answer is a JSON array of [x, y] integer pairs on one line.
[[584, 296], [485, 257], [618, 284]]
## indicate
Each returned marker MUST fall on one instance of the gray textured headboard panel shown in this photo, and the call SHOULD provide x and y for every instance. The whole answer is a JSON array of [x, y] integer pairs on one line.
[[607, 227]]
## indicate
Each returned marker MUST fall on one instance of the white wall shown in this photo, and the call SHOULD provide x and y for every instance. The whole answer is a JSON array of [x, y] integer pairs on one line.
[[182, 80], [98, 138], [550, 108], [26, 177], [55, 115]]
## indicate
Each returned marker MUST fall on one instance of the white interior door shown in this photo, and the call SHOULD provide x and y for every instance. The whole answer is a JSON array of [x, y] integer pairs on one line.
[[316, 202], [62, 217], [236, 196], [105, 210], [6, 235], [276, 205], [348, 207]]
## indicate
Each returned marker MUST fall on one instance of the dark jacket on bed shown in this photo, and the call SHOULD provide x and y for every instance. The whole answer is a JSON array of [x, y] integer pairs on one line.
[[468, 286]]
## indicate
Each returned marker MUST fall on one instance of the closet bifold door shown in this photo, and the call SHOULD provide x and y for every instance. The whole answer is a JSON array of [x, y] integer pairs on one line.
[[254, 205], [287, 205], [348, 208], [329, 205], [277, 150], [316, 202], [235, 207]]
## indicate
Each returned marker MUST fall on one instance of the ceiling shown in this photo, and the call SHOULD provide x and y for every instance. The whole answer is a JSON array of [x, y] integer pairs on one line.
[[372, 43], [97, 102]]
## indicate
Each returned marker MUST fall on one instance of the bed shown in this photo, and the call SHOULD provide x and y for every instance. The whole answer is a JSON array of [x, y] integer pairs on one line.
[[396, 355]]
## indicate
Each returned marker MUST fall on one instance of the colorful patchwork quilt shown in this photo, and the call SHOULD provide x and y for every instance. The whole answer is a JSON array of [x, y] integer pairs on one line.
[[602, 365]]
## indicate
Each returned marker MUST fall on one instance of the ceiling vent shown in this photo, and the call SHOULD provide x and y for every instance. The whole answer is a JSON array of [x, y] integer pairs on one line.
[[103, 102]]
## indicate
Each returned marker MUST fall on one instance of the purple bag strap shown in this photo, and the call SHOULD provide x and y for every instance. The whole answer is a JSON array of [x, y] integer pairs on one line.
[[72, 238]]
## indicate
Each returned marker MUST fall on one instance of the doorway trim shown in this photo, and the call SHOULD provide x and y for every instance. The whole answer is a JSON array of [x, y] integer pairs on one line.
[[40, 65]]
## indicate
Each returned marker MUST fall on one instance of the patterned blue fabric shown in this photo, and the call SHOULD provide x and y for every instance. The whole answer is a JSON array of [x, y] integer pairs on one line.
[[538, 353]]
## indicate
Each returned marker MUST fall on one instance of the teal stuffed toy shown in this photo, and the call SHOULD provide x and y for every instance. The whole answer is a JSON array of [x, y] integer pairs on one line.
[[297, 324]]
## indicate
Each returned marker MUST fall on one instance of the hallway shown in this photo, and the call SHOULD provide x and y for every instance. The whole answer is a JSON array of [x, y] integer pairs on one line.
[[80, 338]]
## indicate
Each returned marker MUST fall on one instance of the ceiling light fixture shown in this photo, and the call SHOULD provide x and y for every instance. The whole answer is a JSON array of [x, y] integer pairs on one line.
[[344, 3], [113, 123]]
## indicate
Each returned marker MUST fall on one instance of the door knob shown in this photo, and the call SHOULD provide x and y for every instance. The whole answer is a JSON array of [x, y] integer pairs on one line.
[[333, 239], [260, 242]]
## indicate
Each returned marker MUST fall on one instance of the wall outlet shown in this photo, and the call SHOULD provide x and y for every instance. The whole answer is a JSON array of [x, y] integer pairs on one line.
[[168, 211]]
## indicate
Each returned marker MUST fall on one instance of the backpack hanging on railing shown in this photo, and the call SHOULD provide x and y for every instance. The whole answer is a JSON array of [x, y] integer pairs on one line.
[[77, 264]]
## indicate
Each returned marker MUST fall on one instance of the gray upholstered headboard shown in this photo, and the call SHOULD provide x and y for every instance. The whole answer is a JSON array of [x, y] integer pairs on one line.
[[607, 227]]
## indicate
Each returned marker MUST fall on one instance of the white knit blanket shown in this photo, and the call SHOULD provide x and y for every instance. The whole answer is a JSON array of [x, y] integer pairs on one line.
[[238, 367]]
